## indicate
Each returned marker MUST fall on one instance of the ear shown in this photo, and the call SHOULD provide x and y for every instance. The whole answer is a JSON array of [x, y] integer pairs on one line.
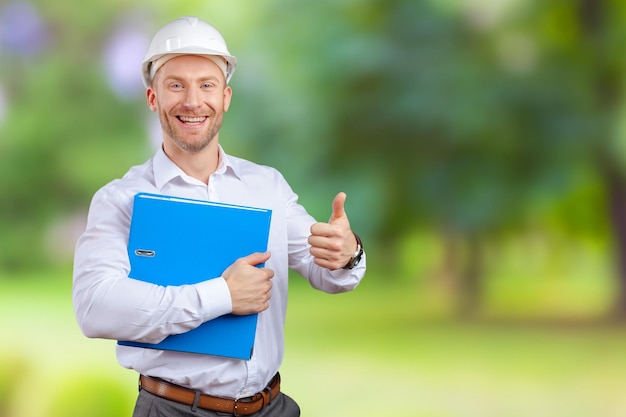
[[228, 93], [151, 98]]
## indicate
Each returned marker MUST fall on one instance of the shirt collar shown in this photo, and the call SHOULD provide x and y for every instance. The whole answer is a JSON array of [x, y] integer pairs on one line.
[[166, 170]]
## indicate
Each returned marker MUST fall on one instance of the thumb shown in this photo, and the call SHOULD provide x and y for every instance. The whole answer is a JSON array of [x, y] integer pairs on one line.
[[256, 258], [338, 207]]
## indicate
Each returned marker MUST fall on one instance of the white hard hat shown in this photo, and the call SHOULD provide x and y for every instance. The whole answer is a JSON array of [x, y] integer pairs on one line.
[[187, 36]]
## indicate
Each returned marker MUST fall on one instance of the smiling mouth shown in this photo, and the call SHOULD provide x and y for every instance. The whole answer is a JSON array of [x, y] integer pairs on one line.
[[192, 120]]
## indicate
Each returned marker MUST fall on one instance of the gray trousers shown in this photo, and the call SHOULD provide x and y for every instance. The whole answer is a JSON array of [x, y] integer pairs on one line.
[[149, 405]]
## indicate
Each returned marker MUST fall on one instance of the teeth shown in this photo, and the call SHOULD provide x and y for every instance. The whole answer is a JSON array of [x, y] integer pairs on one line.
[[187, 119]]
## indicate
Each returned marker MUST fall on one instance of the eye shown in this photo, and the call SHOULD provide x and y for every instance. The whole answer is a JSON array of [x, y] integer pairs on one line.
[[207, 85], [176, 86]]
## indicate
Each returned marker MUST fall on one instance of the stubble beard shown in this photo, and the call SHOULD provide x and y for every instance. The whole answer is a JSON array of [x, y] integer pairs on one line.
[[196, 145]]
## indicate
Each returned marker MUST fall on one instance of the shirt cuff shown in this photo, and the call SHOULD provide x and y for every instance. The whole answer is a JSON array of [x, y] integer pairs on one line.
[[215, 298]]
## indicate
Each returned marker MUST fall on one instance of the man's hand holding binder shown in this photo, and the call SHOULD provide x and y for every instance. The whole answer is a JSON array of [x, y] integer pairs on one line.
[[250, 287], [169, 235]]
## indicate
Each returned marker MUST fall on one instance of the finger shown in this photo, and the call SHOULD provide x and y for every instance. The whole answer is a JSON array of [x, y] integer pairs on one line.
[[326, 254], [338, 207], [316, 241], [322, 229], [326, 263]]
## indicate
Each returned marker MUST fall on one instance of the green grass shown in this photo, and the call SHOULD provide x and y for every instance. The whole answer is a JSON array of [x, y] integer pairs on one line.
[[368, 353], [372, 353]]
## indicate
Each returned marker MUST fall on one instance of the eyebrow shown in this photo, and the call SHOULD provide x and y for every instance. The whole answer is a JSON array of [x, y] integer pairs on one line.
[[174, 77]]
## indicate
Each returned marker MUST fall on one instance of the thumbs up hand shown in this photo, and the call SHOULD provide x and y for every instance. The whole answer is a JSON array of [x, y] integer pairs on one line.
[[333, 244]]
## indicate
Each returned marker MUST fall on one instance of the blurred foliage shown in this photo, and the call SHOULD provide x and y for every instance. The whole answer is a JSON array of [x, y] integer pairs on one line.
[[90, 395], [482, 144], [14, 372], [470, 123]]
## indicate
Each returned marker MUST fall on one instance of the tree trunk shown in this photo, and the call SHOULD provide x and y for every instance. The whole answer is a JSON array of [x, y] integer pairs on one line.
[[472, 278], [608, 90], [462, 273], [615, 182]]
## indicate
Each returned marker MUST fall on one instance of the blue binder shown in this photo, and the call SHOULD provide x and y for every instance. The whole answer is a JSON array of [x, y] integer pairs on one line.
[[176, 241]]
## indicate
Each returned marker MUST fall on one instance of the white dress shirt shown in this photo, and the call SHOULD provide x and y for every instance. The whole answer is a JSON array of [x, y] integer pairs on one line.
[[110, 305]]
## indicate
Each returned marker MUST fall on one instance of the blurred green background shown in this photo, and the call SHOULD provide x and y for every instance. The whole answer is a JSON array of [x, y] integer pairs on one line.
[[482, 145]]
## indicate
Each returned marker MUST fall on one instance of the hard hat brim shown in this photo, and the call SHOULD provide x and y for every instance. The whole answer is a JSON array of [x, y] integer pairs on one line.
[[231, 61]]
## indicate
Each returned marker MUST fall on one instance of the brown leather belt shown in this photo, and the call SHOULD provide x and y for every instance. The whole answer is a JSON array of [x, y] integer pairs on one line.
[[241, 407]]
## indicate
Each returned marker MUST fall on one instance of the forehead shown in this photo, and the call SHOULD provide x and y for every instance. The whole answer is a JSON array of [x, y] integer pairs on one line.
[[190, 66]]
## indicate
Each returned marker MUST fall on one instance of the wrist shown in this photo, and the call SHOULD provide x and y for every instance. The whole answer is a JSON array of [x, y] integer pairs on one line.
[[358, 253]]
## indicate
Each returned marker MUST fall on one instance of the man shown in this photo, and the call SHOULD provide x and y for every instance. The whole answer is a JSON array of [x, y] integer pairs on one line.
[[186, 72]]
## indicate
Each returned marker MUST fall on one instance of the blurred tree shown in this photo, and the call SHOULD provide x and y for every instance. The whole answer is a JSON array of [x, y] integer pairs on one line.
[[449, 116], [65, 132], [602, 40], [475, 119]]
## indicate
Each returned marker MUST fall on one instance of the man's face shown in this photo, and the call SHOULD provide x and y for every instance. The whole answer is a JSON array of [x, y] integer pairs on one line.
[[191, 96]]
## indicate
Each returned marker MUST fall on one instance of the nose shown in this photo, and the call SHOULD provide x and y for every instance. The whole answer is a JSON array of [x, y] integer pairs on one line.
[[192, 98]]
